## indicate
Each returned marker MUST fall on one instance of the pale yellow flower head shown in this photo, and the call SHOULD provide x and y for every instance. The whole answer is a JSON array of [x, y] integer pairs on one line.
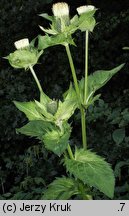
[[60, 9], [85, 8], [23, 43]]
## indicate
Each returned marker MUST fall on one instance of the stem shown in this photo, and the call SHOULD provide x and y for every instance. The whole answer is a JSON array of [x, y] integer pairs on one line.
[[85, 89], [36, 78], [73, 72], [86, 66], [70, 152], [78, 95], [83, 121]]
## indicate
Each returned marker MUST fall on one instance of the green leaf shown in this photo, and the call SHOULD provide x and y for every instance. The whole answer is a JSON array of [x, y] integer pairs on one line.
[[92, 170], [97, 80], [59, 39], [52, 107], [48, 31], [74, 20], [43, 110], [119, 135], [101, 77], [29, 109], [57, 140], [67, 108], [54, 139], [92, 100], [44, 99], [46, 16], [35, 128], [61, 189]]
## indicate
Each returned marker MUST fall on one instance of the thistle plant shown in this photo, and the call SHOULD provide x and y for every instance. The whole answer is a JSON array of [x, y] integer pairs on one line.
[[48, 119]]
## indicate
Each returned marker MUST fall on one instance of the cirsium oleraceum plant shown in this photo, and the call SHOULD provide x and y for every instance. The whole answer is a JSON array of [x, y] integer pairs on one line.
[[48, 118]]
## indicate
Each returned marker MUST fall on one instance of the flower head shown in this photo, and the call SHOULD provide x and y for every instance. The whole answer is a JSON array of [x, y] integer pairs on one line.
[[23, 43], [25, 56], [85, 9], [60, 9]]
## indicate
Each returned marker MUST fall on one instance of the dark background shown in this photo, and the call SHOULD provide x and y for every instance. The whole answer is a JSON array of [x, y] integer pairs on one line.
[[25, 167]]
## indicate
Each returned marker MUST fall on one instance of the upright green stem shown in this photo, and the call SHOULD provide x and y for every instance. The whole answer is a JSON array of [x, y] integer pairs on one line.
[[83, 121], [36, 78], [85, 86], [70, 152], [86, 66], [79, 97], [73, 72]]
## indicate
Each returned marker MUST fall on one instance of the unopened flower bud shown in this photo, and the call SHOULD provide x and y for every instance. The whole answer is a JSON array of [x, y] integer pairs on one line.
[[85, 9], [60, 9], [20, 44]]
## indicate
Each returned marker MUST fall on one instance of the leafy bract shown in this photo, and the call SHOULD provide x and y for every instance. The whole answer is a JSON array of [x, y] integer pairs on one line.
[[67, 107], [24, 58], [87, 24], [61, 32], [93, 170], [44, 99], [57, 140], [42, 109], [29, 109], [54, 138], [46, 16], [35, 128], [87, 21], [61, 189], [32, 109], [48, 41]]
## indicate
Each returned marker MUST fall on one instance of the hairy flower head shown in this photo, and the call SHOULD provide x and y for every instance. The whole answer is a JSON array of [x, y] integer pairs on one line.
[[60, 9], [23, 43], [84, 9]]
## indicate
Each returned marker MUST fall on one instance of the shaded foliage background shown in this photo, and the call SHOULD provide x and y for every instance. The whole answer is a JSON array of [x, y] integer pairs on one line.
[[25, 167]]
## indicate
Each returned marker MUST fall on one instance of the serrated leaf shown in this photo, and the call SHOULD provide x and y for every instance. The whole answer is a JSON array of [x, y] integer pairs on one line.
[[118, 135], [57, 140], [61, 189], [67, 108], [92, 170], [29, 109], [54, 139], [35, 129]]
